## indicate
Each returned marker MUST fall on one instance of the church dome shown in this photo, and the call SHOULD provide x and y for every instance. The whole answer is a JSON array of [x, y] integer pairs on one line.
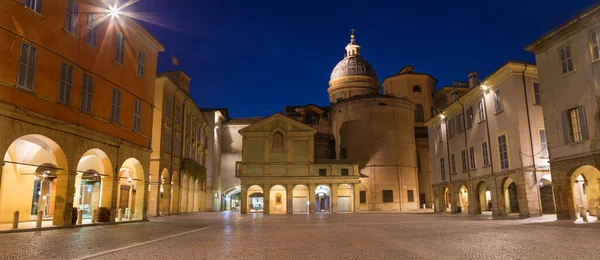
[[353, 65]]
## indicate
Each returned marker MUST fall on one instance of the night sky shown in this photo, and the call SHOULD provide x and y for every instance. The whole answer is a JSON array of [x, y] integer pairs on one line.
[[254, 57]]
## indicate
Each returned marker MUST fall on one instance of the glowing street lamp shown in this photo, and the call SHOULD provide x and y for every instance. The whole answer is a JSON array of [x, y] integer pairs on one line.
[[113, 11]]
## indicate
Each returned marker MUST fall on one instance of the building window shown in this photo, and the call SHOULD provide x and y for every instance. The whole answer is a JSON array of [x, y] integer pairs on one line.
[[91, 36], [481, 111], [503, 151], [544, 144], [120, 49], [472, 156], [35, 5], [443, 169], [410, 195], [338, 100], [537, 98], [168, 141], [178, 114], [363, 196], [469, 117], [439, 134], [277, 141], [417, 88], [86, 93], [137, 114], [65, 84], [565, 59], [342, 153], [463, 158], [574, 125], [388, 196], [168, 105], [485, 154], [450, 128], [27, 66], [72, 18], [177, 145], [322, 172], [115, 111], [452, 164], [419, 116], [498, 101], [140, 64], [344, 172], [460, 123], [595, 39]]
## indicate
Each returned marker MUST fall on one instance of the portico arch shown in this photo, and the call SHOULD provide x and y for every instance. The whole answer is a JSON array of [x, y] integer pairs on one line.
[[93, 183], [345, 197], [463, 199], [510, 195], [447, 200], [164, 192], [547, 195], [323, 198], [585, 189], [255, 199], [300, 199], [484, 198], [132, 189], [277, 200]]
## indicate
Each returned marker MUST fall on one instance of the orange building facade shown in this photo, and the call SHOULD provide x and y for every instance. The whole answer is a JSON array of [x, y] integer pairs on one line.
[[76, 100]]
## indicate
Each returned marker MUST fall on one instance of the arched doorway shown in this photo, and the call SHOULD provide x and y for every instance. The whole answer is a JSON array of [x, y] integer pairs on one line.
[[484, 197], [255, 199], [93, 167], [511, 198], [131, 190], [233, 199], [344, 196], [300, 200], [34, 167], [463, 199], [277, 200], [546, 195], [322, 198], [447, 202], [164, 192], [585, 189]]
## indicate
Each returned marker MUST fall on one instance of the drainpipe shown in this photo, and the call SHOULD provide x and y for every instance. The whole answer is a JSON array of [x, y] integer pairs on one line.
[[531, 137], [466, 144]]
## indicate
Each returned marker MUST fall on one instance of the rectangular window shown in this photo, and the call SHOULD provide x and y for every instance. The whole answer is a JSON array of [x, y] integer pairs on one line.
[[439, 134], [140, 64], [410, 195], [115, 110], [344, 172], [595, 39], [168, 107], [91, 36], [137, 114], [35, 5], [388, 196], [460, 123], [27, 62], [485, 154], [452, 164], [178, 114], [575, 122], [87, 87], [537, 98], [65, 84], [472, 156], [463, 158], [469, 117], [363, 196], [322, 172], [120, 49], [177, 145], [443, 169], [168, 141], [543, 144], [498, 101], [574, 125], [565, 59], [481, 110], [450, 128], [503, 151], [72, 18]]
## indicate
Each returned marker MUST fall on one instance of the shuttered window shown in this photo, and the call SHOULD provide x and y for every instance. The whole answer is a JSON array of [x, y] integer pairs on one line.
[[481, 110], [443, 169], [410, 194], [463, 157], [167, 141], [115, 111], [65, 83], [120, 49], [27, 62], [544, 153], [72, 18], [450, 128], [87, 87], [565, 59], [469, 117], [537, 98], [137, 114], [498, 101], [574, 125], [595, 39], [91, 35], [452, 164], [472, 156], [140, 64], [503, 152], [485, 154], [363, 196]]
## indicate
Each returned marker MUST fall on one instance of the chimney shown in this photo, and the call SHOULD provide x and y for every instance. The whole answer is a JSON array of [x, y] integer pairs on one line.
[[473, 80]]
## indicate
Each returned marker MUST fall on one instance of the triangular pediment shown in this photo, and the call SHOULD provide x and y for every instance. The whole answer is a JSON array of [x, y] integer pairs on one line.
[[277, 121]]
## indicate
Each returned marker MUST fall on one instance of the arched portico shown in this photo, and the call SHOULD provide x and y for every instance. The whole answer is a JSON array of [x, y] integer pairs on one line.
[[483, 198], [585, 189], [93, 184], [463, 199], [323, 198], [345, 198], [300, 199], [132, 190], [277, 200], [164, 195], [255, 199], [510, 196], [547, 195]]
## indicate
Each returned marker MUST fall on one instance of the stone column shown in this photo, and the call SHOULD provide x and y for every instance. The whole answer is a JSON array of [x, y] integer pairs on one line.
[[63, 200], [497, 192], [165, 200], [175, 198], [266, 199], [154, 199], [244, 199], [356, 197], [334, 198], [289, 199], [311, 198]]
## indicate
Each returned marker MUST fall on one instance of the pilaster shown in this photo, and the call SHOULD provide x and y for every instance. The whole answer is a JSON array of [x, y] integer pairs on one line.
[[289, 199], [334, 198], [311, 198], [266, 199], [356, 197], [63, 200], [244, 199]]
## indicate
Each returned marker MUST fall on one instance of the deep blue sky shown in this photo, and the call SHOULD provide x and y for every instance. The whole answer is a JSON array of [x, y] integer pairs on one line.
[[255, 56]]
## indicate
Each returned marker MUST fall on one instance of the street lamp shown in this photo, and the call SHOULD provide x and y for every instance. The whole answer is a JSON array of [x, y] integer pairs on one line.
[[114, 11]]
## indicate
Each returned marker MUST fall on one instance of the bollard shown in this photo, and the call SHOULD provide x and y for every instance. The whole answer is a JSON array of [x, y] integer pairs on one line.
[[120, 215], [94, 215], [126, 213], [16, 220], [424, 206], [38, 221], [433, 207], [79, 217]]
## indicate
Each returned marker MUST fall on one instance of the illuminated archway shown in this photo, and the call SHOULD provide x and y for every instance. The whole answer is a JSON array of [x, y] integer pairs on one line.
[[511, 196], [233, 199], [345, 197], [463, 199], [547, 195], [255, 199], [484, 198], [584, 183], [132, 190], [93, 182], [277, 200], [323, 198], [300, 201], [447, 202]]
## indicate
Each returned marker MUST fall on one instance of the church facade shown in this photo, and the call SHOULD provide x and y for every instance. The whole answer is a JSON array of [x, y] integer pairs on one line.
[[367, 151]]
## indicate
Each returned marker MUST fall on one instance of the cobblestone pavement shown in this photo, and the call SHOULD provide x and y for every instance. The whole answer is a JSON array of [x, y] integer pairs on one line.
[[319, 236]]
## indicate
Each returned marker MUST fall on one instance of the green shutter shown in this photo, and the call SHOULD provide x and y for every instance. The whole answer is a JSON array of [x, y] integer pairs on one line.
[[566, 130], [582, 122]]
